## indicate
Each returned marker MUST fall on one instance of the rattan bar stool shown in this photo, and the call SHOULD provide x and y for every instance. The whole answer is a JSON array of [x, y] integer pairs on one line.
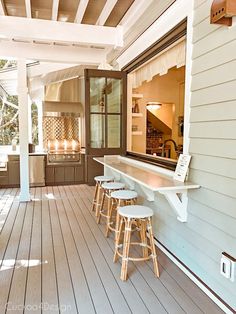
[[108, 188], [97, 194], [121, 197], [129, 215]]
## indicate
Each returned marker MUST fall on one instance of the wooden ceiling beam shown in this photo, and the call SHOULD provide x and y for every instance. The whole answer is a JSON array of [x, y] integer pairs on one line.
[[55, 6], [3, 10], [81, 10], [108, 7], [59, 32], [28, 9]]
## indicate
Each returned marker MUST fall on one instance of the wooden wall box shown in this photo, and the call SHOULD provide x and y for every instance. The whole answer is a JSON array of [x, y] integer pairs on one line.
[[222, 12]]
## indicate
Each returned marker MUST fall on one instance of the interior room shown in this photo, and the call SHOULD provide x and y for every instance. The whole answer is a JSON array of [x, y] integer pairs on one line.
[[159, 115]]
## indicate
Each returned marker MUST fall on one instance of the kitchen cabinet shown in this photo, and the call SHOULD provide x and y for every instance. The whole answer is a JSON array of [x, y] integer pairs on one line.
[[49, 178], [63, 173], [11, 177], [3, 178], [79, 174], [14, 173], [69, 174], [59, 174]]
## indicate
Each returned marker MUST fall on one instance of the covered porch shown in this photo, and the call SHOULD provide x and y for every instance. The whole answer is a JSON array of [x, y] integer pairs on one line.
[[56, 259], [98, 66]]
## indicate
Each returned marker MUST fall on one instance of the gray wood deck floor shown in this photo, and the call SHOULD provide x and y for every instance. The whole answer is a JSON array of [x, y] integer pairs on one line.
[[55, 259]]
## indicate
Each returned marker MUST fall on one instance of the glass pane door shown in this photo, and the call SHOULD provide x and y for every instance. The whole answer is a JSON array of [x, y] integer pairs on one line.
[[105, 112]]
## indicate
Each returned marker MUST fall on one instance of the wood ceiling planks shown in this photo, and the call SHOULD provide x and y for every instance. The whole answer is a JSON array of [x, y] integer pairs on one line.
[[118, 12], [93, 11], [15, 8], [67, 10], [41, 9]]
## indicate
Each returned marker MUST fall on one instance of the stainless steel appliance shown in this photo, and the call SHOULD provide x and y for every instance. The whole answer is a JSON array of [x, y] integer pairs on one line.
[[37, 170], [63, 151], [63, 157]]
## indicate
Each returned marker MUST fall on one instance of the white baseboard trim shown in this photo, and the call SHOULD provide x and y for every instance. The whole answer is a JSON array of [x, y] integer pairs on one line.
[[194, 279]]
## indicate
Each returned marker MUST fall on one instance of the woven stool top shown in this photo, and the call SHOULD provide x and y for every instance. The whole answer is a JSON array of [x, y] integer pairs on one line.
[[113, 185], [103, 178], [124, 194], [135, 211]]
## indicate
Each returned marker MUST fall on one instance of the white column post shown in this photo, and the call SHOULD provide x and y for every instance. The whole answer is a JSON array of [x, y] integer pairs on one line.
[[23, 129], [40, 124], [29, 120]]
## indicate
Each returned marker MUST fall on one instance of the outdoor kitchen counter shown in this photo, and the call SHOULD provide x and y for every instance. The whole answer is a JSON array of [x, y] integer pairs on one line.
[[150, 179]]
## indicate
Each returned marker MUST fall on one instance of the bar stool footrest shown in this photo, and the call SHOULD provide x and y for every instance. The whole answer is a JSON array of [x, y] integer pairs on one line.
[[136, 259]]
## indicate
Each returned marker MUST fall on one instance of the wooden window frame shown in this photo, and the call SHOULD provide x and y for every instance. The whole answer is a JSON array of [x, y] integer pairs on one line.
[[179, 31]]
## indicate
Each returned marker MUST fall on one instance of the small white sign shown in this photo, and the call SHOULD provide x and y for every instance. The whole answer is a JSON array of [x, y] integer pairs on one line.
[[182, 167]]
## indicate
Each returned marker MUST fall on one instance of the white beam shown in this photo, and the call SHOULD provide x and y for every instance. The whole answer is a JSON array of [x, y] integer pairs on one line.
[[55, 6], [2, 8], [41, 68], [44, 68], [28, 9], [81, 10], [108, 7], [62, 32], [23, 130], [51, 53], [134, 13]]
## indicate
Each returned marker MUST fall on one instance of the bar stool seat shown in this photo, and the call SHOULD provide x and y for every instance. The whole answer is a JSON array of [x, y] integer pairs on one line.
[[129, 215], [126, 197], [124, 194], [108, 188], [99, 180], [111, 186], [104, 178], [136, 211]]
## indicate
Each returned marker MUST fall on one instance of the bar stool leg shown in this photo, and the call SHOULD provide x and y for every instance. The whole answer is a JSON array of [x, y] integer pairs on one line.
[[95, 197], [98, 199], [153, 249], [117, 220], [127, 235], [109, 211], [143, 236], [100, 208], [117, 242]]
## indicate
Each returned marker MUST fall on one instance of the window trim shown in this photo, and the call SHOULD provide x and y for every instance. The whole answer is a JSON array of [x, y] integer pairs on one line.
[[179, 31]]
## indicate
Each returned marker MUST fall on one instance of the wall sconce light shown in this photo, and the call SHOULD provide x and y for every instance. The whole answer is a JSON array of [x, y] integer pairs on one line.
[[222, 12], [153, 105]]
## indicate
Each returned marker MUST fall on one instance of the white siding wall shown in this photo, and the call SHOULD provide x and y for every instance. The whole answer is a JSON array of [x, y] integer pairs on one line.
[[213, 147], [211, 226]]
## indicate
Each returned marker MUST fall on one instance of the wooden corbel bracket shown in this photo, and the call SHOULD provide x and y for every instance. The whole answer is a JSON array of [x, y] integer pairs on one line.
[[222, 12]]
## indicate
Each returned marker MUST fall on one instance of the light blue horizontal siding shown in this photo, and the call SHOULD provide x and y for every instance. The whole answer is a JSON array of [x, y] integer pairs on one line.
[[212, 208]]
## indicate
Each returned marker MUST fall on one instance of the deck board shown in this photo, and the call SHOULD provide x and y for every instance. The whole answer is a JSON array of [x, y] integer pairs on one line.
[[8, 261], [81, 290], [19, 277], [141, 286], [49, 279], [166, 287], [54, 258], [64, 284]]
